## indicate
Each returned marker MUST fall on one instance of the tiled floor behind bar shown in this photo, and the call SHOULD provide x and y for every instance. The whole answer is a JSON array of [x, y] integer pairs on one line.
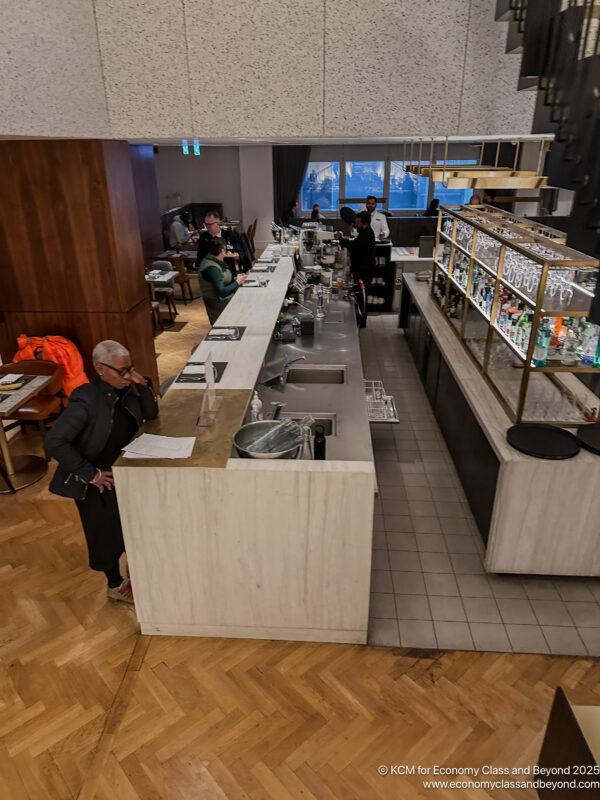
[[429, 587]]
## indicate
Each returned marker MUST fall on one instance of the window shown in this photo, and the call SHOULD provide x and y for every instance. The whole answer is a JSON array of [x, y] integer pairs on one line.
[[321, 185], [363, 178], [452, 197], [407, 191]]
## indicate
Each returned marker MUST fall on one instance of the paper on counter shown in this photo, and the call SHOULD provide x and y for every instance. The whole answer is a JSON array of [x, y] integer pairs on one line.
[[10, 378], [223, 332], [149, 445]]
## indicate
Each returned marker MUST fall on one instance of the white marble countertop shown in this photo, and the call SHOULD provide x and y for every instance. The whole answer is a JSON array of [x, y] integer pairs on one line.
[[400, 254], [257, 309]]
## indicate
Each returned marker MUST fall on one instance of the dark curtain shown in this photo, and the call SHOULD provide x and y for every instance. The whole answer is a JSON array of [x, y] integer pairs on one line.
[[289, 166]]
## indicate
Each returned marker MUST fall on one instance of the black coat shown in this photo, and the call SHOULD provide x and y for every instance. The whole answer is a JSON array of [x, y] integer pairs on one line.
[[233, 238], [362, 253], [78, 436]]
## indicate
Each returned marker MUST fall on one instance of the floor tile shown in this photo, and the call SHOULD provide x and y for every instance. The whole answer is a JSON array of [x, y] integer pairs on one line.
[[417, 633], [421, 508], [415, 479], [591, 639], [453, 636], [381, 580], [551, 612], [384, 632], [481, 609], [404, 561], [450, 509], [490, 637], [380, 560], [426, 524], [466, 564], [379, 541], [584, 615], [386, 478], [447, 609], [382, 606], [447, 494], [430, 543], [527, 639], [461, 543], [564, 641], [594, 588], [393, 492], [378, 523], [474, 586], [451, 525], [412, 606], [440, 583], [540, 589], [517, 612], [398, 524], [435, 562], [421, 493], [408, 583], [574, 590], [401, 541], [506, 586], [395, 507]]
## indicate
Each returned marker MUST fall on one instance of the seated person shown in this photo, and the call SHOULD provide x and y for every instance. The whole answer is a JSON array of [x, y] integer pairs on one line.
[[179, 232], [212, 223], [378, 220], [216, 279], [433, 208], [316, 213], [291, 213]]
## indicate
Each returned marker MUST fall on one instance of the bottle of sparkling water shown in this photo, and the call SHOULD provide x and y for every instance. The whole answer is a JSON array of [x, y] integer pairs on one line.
[[542, 345], [589, 343]]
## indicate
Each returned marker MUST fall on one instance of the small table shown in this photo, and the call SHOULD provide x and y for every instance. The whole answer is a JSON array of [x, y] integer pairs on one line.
[[23, 470], [163, 277]]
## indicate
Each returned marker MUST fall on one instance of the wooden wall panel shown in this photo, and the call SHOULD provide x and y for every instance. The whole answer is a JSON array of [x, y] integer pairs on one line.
[[69, 232], [132, 328], [146, 195]]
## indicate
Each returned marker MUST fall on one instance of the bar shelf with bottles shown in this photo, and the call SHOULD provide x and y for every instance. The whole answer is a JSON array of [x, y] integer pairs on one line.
[[518, 298]]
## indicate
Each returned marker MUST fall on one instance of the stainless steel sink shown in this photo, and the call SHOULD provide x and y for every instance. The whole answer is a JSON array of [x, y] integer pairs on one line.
[[316, 373], [328, 421]]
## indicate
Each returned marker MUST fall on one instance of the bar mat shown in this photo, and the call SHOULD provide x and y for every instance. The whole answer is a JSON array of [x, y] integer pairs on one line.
[[214, 336], [219, 368], [589, 437], [542, 441]]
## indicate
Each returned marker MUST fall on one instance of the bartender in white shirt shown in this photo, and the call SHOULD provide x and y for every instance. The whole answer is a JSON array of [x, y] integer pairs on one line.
[[378, 220], [179, 233]]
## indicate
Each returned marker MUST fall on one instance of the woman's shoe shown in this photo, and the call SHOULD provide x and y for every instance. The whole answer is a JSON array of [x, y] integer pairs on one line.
[[122, 593]]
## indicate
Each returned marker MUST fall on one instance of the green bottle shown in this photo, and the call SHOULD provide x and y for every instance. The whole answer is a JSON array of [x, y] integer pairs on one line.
[[542, 345]]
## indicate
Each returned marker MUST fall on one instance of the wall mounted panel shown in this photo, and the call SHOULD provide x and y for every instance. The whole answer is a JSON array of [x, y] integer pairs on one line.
[[51, 70], [143, 44], [258, 69]]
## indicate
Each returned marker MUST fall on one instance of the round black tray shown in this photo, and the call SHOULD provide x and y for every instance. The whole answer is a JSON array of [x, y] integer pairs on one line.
[[542, 441], [589, 437]]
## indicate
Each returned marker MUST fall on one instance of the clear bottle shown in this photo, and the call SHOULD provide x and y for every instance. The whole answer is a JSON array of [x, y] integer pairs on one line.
[[305, 453], [542, 344], [569, 351], [589, 343]]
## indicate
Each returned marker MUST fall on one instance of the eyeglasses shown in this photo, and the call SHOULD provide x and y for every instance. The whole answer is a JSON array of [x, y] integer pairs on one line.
[[214, 222], [122, 372]]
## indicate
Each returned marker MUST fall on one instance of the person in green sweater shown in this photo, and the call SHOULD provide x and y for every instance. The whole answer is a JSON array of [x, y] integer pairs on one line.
[[216, 279]]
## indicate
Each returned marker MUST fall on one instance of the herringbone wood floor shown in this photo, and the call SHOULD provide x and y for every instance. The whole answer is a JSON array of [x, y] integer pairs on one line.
[[91, 709]]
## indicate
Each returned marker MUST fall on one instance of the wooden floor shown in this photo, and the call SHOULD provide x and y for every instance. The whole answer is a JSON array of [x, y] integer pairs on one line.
[[89, 708]]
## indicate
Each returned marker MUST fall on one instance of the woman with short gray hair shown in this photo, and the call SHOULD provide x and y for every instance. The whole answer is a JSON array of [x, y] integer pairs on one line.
[[86, 440]]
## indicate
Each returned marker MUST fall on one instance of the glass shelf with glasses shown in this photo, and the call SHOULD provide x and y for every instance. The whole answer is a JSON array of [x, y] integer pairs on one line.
[[489, 272]]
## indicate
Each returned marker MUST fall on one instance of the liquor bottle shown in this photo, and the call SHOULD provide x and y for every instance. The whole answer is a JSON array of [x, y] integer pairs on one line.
[[597, 356], [520, 328], [569, 351], [542, 343]]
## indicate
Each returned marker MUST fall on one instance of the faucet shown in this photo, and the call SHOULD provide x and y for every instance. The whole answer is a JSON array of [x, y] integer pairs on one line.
[[286, 366]]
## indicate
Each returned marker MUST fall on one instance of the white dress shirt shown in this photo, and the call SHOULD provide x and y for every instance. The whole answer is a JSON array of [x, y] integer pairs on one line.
[[178, 233], [378, 223]]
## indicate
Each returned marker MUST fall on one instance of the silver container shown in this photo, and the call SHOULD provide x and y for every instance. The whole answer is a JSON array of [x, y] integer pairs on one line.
[[248, 432]]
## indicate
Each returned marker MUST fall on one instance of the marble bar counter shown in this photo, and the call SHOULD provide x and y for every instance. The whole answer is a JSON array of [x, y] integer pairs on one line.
[[535, 516], [257, 548]]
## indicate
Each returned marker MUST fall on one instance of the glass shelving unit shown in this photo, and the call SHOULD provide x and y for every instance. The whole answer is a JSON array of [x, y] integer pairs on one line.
[[510, 287]]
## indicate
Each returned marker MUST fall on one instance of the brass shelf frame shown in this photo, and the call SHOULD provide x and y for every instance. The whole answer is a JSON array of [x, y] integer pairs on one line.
[[518, 234]]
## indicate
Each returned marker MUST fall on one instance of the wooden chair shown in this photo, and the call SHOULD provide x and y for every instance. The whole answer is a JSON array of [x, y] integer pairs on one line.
[[44, 404], [250, 233], [165, 290], [156, 320], [182, 279]]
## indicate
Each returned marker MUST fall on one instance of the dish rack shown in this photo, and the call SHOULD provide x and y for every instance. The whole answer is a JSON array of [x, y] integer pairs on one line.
[[380, 406]]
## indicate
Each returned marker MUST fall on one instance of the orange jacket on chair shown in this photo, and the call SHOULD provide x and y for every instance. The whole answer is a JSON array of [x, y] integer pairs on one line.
[[58, 349]]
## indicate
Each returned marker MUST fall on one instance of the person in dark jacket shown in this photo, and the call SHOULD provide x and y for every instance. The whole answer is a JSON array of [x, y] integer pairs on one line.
[[433, 208], [237, 255], [86, 440], [362, 253], [216, 280]]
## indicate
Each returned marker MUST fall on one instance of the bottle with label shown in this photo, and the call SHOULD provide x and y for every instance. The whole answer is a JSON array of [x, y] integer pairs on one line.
[[589, 343], [542, 344], [569, 351]]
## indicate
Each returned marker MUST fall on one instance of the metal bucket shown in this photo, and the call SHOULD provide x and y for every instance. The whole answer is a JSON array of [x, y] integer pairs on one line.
[[248, 432]]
